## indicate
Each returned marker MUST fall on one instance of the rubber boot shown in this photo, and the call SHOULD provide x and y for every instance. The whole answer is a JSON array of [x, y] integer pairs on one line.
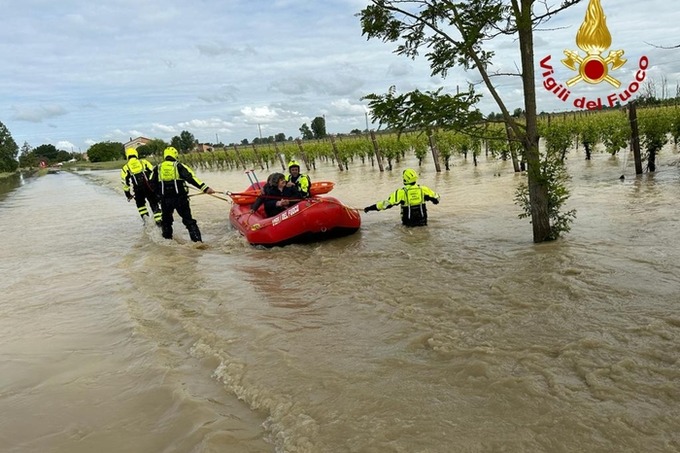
[[194, 233], [167, 231]]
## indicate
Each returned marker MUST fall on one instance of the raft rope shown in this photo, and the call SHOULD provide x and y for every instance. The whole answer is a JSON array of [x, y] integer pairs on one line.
[[211, 194]]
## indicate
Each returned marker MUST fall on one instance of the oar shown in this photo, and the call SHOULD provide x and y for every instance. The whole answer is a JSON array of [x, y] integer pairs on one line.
[[254, 181], [250, 179]]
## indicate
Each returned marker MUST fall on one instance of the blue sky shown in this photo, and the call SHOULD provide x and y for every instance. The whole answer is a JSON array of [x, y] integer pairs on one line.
[[77, 72]]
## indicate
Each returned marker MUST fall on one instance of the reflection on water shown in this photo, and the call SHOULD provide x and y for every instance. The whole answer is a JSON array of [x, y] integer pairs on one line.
[[9, 183], [462, 336]]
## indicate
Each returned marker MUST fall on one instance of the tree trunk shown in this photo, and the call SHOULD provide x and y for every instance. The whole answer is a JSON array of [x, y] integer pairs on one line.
[[513, 152], [635, 138], [538, 186]]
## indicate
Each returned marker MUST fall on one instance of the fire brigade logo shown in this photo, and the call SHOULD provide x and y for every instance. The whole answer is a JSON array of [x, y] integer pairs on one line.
[[593, 38]]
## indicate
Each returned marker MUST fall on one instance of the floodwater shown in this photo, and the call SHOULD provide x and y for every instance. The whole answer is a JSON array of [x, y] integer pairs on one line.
[[463, 336]]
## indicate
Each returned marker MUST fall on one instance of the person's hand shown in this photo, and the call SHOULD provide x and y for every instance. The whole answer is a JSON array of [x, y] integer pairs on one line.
[[289, 184], [210, 190], [370, 208], [251, 211], [435, 201], [128, 195]]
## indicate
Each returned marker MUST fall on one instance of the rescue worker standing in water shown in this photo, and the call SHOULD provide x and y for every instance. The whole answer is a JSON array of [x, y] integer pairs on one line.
[[297, 179], [170, 179], [412, 198], [135, 176]]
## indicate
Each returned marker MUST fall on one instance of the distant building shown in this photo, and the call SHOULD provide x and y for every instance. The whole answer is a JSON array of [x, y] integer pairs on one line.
[[203, 147], [136, 142]]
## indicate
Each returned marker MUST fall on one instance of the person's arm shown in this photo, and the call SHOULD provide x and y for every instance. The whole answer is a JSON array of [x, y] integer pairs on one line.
[[292, 192], [189, 176], [125, 181], [392, 200], [430, 195], [259, 201]]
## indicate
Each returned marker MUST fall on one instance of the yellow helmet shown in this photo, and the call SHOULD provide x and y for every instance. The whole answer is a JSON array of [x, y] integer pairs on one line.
[[131, 152], [170, 152], [293, 163], [410, 176]]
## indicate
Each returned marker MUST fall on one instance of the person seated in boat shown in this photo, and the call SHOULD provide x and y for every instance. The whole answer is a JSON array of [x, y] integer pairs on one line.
[[276, 196], [297, 179], [412, 198]]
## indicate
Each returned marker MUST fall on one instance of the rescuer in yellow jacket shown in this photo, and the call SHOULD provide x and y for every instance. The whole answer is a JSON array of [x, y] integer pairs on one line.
[[412, 198], [135, 176], [297, 179], [170, 179]]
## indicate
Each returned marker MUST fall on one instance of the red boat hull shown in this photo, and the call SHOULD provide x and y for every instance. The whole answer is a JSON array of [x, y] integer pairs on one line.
[[311, 220]]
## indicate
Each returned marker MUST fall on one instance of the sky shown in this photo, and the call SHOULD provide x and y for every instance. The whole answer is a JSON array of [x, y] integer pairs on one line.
[[78, 72]]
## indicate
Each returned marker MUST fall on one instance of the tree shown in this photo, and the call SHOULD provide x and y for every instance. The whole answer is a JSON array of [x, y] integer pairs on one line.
[[176, 143], [306, 132], [187, 141], [25, 149], [430, 26], [62, 156], [106, 151], [280, 137], [48, 151], [154, 148], [319, 127], [8, 151], [27, 157]]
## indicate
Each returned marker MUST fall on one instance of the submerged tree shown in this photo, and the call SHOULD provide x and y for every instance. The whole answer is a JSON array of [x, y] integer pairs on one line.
[[455, 33]]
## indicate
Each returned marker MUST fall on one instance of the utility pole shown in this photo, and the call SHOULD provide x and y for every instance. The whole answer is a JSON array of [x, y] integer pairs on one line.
[[259, 129], [366, 113]]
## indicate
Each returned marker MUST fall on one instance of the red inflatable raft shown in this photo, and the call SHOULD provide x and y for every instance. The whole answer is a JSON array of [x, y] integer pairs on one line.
[[310, 220]]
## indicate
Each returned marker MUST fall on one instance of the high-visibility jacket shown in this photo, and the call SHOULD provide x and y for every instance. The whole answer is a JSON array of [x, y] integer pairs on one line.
[[135, 173], [171, 177], [412, 199], [302, 182]]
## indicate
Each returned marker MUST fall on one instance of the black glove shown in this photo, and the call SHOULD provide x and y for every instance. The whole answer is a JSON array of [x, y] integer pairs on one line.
[[128, 195], [433, 200], [371, 208]]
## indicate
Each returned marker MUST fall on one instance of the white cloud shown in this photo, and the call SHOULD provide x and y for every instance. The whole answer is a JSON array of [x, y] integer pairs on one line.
[[80, 72], [66, 146], [37, 114]]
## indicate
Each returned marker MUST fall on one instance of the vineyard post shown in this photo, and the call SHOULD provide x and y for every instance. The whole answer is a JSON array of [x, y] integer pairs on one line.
[[283, 162], [302, 153], [257, 156], [335, 153], [378, 157], [635, 137], [240, 159], [435, 151]]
